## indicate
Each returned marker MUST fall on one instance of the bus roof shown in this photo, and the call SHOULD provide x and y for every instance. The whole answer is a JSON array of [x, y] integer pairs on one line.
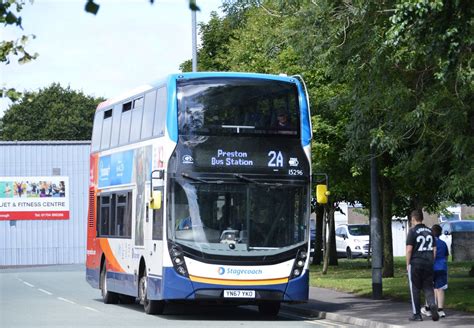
[[193, 75]]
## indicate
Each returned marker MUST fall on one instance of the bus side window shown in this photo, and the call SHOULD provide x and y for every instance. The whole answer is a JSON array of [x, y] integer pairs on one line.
[[104, 215], [97, 131], [160, 112], [124, 218], [125, 123], [106, 129], [148, 114], [114, 139], [137, 112]]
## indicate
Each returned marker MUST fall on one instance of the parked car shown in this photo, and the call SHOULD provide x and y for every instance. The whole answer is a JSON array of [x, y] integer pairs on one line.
[[352, 240], [449, 217], [449, 227]]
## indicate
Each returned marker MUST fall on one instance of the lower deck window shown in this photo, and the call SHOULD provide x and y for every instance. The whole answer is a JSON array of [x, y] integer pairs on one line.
[[115, 215]]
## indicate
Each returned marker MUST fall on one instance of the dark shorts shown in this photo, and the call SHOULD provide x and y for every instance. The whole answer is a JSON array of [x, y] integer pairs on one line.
[[440, 279]]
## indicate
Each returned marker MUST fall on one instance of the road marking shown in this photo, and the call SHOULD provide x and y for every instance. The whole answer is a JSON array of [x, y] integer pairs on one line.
[[66, 300], [90, 309], [45, 291], [28, 284]]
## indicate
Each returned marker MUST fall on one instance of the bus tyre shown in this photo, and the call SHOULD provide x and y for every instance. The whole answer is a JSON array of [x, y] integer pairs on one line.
[[269, 308], [349, 253], [125, 299], [108, 296], [150, 306]]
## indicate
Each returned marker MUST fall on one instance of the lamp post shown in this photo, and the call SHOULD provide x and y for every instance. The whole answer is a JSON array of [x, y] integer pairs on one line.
[[375, 230], [194, 37]]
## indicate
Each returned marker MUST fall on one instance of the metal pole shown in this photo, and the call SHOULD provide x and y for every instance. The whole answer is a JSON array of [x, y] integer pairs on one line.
[[194, 27], [375, 231]]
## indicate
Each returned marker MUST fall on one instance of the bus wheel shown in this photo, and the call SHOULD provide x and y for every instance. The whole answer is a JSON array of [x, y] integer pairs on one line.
[[125, 299], [108, 296], [150, 306], [269, 308]]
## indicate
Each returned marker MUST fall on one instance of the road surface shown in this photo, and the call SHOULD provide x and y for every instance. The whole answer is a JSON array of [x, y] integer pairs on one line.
[[59, 296]]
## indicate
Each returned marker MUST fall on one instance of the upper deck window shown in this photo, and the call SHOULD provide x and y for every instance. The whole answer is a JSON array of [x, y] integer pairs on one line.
[[127, 106], [138, 103], [97, 131], [237, 106], [136, 123], [106, 129]]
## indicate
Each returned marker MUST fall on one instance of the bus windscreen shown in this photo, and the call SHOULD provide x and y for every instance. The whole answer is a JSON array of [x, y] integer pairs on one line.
[[237, 106], [249, 216]]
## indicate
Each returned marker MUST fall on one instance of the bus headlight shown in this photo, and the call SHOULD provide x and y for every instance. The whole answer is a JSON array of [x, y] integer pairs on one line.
[[298, 266], [177, 257]]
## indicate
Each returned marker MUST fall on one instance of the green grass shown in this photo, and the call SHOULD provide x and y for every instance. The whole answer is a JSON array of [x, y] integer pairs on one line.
[[355, 276]]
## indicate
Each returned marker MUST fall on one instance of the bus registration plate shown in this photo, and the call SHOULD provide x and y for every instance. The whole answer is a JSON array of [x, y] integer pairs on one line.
[[239, 293]]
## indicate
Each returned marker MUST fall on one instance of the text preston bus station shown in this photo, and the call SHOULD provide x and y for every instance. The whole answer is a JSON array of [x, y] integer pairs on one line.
[[231, 158]]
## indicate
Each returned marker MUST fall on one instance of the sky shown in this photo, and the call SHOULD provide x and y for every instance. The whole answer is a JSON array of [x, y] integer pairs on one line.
[[127, 44]]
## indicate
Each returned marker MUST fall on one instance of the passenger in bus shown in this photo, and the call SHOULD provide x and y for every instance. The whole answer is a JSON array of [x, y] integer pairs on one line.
[[185, 223], [283, 122]]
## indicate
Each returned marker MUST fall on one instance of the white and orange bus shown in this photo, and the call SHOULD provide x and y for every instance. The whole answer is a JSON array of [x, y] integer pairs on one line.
[[200, 191]]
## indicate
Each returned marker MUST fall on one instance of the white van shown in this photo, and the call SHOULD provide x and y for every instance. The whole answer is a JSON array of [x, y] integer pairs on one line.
[[352, 240]]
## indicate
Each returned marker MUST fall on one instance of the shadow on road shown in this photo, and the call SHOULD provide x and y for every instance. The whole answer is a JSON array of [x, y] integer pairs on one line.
[[192, 311]]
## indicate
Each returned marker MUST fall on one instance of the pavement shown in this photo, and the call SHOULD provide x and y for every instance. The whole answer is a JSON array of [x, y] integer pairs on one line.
[[359, 311]]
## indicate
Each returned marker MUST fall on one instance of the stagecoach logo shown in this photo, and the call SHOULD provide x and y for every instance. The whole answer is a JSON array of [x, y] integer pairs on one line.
[[293, 161], [188, 159], [237, 272]]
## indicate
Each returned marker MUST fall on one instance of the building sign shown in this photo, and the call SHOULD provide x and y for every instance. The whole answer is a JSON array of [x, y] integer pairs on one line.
[[34, 198]]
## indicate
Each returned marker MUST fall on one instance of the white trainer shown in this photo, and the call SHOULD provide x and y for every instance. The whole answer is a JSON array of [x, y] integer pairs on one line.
[[425, 312]]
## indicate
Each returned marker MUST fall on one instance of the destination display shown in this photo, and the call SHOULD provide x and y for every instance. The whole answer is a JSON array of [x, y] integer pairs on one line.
[[254, 155]]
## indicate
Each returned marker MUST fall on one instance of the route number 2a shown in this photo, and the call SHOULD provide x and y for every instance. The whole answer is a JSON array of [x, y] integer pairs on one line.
[[425, 242], [276, 159]]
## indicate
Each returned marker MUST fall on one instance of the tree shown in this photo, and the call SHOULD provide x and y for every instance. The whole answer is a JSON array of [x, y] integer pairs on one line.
[[394, 76], [10, 16], [52, 113]]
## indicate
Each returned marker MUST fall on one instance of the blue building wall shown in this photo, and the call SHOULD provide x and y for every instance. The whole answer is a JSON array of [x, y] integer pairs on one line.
[[36, 242]]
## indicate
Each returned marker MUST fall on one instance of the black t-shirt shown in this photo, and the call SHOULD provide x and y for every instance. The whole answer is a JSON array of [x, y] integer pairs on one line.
[[422, 239]]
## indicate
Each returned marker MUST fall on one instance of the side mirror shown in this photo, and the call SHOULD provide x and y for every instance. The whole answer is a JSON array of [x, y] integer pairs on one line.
[[155, 201], [446, 232], [344, 236], [322, 193]]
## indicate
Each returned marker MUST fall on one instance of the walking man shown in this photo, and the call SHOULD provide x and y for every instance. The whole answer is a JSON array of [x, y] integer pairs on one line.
[[420, 254]]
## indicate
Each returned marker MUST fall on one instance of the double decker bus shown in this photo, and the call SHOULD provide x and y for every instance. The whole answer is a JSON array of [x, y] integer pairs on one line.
[[200, 191]]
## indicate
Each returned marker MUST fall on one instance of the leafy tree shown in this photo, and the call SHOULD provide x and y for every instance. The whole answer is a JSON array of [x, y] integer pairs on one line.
[[52, 113], [394, 76], [10, 16]]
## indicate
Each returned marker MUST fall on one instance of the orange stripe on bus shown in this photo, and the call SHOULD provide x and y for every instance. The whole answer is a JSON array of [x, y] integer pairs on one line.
[[232, 282], [109, 255]]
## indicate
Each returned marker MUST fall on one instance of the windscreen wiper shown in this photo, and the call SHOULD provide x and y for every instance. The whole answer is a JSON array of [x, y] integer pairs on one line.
[[238, 127], [241, 177], [187, 176]]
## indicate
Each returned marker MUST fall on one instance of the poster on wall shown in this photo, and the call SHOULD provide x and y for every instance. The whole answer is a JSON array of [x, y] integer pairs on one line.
[[34, 198]]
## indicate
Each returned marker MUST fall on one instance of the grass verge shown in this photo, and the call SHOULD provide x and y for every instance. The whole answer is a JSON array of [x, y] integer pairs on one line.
[[355, 276]]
